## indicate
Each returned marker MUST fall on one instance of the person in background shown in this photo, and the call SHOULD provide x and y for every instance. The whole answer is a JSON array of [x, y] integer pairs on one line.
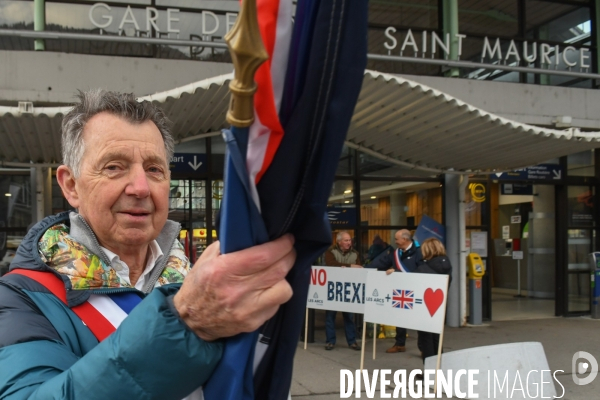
[[376, 248], [434, 261], [341, 255], [404, 259]]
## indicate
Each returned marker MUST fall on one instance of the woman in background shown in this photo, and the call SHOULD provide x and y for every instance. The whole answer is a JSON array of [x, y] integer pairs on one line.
[[434, 261]]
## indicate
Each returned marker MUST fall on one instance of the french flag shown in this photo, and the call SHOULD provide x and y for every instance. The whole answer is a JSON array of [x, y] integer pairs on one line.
[[266, 133], [279, 171]]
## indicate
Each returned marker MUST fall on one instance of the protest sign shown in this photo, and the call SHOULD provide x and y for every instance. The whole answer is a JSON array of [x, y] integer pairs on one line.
[[337, 289], [408, 300]]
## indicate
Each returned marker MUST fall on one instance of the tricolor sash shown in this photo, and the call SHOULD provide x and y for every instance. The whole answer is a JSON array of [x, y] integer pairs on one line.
[[399, 266], [102, 314]]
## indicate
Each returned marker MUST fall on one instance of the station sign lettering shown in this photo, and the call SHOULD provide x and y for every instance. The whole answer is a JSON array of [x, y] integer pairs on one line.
[[541, 172], [188, 162]]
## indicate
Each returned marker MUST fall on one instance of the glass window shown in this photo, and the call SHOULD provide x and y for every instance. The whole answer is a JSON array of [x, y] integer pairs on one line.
[[566, 24], [409, 13], [346, 163], [341, 208], [580, 246], [399, 204], [15, 210], [579, 292], [16, 15], [374, 167], [15, 200], [555, 22], [498, 18], [581, 206], [581, 164], [342, 193], [221, 5], [187, 205]]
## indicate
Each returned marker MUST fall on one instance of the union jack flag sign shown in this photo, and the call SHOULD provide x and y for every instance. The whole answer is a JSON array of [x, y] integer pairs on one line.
[[403, 299]]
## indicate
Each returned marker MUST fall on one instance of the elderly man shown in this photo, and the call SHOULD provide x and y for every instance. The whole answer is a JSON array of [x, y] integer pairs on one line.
[[404, 259], [341, 255], [116, 265]]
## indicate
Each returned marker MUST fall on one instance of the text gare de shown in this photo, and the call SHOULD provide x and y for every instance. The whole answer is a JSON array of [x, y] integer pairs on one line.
[[548, 55], [344, 292], [101, 16]]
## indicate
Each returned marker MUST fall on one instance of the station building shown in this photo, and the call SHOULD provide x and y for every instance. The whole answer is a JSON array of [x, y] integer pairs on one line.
[[481, 115]]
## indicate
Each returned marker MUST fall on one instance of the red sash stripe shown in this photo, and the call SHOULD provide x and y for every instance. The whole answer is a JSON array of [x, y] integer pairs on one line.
[[90, 316]]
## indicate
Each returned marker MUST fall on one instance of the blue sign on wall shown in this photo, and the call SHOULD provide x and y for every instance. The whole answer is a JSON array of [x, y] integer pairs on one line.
[[341, 216], [542, 172], [188, 162]]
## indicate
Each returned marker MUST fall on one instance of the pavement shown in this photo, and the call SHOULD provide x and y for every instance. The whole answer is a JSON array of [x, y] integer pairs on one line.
[[317, 371]]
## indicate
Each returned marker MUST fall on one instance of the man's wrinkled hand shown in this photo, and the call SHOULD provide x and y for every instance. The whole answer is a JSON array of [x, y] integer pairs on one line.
[[226, 294], [389, 271]]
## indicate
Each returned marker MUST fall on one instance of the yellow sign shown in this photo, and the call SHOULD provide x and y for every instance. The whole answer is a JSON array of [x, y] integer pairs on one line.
[[477, 192], [197, 233]]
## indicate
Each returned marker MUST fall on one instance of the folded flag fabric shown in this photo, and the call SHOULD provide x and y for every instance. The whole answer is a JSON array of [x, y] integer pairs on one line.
[[279, 172]]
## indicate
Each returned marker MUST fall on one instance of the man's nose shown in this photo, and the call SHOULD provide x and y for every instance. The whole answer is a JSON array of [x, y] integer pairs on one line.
[[138, 183]]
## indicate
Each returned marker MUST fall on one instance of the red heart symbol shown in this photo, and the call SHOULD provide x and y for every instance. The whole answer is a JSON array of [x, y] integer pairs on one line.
[[433, 300]]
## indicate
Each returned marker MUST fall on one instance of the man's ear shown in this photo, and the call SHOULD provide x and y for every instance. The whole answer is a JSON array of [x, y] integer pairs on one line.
[[66, 180]]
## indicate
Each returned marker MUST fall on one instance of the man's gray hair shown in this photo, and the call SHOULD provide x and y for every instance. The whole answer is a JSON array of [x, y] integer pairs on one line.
[[123, 105], [406, 234], [340, 235]]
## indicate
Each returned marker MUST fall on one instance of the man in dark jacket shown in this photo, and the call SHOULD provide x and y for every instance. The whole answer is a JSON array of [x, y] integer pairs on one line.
[[404, 259], [101, 303]]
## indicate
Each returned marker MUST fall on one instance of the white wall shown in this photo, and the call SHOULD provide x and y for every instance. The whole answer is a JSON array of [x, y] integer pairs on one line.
[[47, 77]]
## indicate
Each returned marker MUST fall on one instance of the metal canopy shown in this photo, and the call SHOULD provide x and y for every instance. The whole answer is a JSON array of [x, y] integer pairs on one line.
[[414, 125], [395, 119]]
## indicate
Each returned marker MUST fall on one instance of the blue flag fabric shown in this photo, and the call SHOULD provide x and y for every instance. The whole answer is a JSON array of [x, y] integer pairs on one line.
[[428, 227], [326, 67]]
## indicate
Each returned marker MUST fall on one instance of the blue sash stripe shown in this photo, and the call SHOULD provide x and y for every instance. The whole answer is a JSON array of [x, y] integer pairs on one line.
[[127, 301]]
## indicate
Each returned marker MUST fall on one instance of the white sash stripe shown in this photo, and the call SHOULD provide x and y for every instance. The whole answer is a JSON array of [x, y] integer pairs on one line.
[[398, 262], [111, 311]]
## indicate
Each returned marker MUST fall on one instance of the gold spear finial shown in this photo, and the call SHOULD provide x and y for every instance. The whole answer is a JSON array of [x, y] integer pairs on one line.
[[248, 53]]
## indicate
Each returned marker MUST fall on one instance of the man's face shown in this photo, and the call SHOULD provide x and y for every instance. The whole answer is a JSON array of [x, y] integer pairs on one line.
[[401, 242], [345, 242], [123, 187]]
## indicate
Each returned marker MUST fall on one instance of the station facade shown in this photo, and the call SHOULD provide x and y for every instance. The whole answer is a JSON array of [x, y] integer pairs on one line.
[[419, 144]]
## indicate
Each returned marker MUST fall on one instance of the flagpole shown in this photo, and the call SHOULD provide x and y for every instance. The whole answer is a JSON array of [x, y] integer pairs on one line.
[[247, 54], [440, 345], [374, 338], [362, 349], [306, 328]]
